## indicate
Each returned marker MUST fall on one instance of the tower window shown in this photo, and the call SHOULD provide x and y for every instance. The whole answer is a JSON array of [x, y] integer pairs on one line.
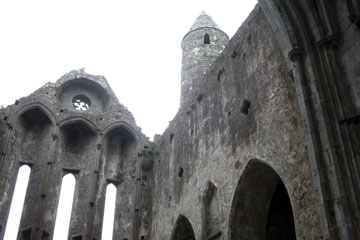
[[206, 38], [180, 172]]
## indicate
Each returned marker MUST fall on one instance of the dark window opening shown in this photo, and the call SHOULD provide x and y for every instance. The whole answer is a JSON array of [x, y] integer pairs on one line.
[[220, 73], [245, 107], [171, 137], [26, 234], [181, 172], [234, 54], [206, 38], [45, 235], [237, 164]]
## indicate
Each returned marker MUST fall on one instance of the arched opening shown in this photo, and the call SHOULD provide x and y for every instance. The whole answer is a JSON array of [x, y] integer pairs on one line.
[[76, 138], [183, 229], [120, 147], [261, 208], [17, 203], [109, 212], [32, 134], [29, 144], [206, 38], [64, 210], [120, 156]]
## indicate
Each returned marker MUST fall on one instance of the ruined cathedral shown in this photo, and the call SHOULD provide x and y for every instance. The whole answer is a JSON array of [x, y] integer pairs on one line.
[[265, 145]]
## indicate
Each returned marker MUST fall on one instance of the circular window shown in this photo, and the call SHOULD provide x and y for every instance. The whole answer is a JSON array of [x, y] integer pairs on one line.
[[81, 103]]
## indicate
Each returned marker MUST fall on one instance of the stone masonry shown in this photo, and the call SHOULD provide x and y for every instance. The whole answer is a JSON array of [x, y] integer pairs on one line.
[[265, 144]]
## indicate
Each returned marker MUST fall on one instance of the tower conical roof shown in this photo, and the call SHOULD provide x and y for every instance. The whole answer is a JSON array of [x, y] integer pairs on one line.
[[203, 20]]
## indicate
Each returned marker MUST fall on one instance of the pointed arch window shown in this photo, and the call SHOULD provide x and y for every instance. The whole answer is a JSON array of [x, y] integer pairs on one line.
[[63, 214], [206, 38], [17, 203], [109, 212]]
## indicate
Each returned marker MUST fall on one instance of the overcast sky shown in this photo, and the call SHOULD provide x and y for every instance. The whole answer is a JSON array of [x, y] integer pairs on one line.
[[136, 45]]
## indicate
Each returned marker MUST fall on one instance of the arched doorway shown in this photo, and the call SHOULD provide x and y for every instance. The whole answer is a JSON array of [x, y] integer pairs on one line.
[[261, 207], [183, 229]]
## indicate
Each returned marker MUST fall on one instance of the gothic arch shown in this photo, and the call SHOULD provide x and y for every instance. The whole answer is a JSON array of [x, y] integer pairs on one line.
[[28, 143], [79, 153], [183, 229], [34, 105], [255, 207], [126, 126], [120, 149], [119, 163]]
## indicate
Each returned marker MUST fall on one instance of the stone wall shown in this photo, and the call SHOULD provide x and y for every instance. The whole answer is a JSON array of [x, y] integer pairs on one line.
[[99, 146], [267, 139], [245, 110]]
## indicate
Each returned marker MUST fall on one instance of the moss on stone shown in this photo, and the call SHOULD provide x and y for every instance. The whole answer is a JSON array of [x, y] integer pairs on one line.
[[248, 37]]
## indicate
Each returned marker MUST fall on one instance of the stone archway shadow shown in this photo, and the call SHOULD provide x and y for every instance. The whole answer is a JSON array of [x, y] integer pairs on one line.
[[261, 208], [183, 229]]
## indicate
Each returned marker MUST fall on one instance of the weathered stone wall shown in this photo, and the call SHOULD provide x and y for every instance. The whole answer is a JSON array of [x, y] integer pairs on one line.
[[214, 138], [348, 52], [241, 136], [100, 146], [319, 41]]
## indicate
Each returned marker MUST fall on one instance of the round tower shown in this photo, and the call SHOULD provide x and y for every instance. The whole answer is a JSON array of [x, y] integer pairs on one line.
[[200, 47]]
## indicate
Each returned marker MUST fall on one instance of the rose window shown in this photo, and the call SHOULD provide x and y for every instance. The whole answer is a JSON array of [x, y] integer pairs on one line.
[[81, 103]]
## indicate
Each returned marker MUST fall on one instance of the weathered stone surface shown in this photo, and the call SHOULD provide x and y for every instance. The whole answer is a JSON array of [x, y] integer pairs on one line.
[[213, 135], [265, 145], [98, 146]]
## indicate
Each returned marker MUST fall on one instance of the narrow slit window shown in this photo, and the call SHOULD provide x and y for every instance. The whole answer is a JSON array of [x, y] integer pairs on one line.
[[63, 214], [206, 38], [109, 212], [17, 203]]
